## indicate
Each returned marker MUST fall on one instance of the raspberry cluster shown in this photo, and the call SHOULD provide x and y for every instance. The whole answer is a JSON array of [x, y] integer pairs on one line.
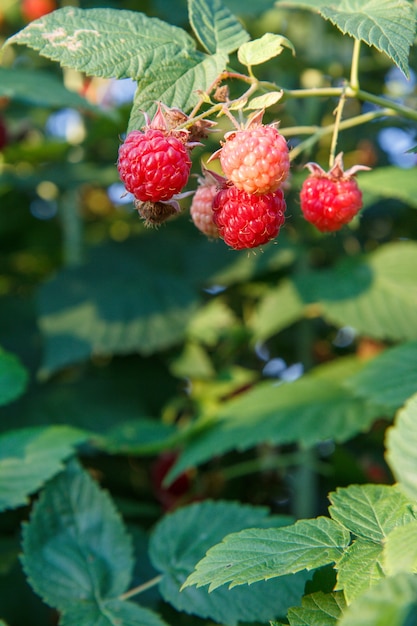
[[246, 208]]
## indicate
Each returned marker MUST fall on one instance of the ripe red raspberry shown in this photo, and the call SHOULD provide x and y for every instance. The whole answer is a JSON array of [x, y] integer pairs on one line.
[[255, 159], [153, 165], [246, 220], [329, 200]]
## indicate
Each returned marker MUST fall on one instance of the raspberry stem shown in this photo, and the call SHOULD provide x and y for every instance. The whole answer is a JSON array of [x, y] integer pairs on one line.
[[336, 128], [354, 68]]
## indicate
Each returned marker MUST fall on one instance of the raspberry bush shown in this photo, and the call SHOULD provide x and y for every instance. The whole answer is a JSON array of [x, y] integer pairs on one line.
[[212, 420]]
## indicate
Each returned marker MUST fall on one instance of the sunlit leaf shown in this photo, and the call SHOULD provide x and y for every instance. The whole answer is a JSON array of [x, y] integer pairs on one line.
[[391, 182], [375, 295], [265, 101], [311, 409], [370, 511], [260, 554], [117, 303], [401, 448], [263, 49], [104, 42], [30, 456], [392, 602], [360, 567], [318, 609], [390, 378], [400, 549], [388, 25], [175, 82], [280, 307]]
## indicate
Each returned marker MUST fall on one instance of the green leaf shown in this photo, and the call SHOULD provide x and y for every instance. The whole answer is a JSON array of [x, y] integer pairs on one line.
[[39, 89], [105, 42], [360, 567], [117, 303], [370, 511], [13, 377], [391, 182], [176, 82], [75, 546], [260, 554], [265, 101], [211, 322], [29, 457], [389, 379], [401, 448], [389, 603], [318, 609], [140, 436], [263, 49], [375, 295], [400, 550], [180, 539], [280, 307], [109, 613], [388, 25], [284, 413], [215, 26]]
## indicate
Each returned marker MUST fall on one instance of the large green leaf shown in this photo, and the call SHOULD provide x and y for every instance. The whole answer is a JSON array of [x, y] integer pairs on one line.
[[370, 511], [402, 446], [318, 609], [215, 27], [375, 295], [311, 409], [400, 549], [75, 546], [105, 42], [390, 378], [182, 538], [109, 613], [260, 554], [392, 602], [117, 303], [388, 25], [360, 567], [175, 82], [29, 457], [13, 377], [391, 182]]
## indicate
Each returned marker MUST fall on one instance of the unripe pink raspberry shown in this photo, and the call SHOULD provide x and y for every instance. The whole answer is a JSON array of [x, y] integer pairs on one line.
[[153, 165], [201, 209], [255, 159], [329, 200], [246, 220]]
